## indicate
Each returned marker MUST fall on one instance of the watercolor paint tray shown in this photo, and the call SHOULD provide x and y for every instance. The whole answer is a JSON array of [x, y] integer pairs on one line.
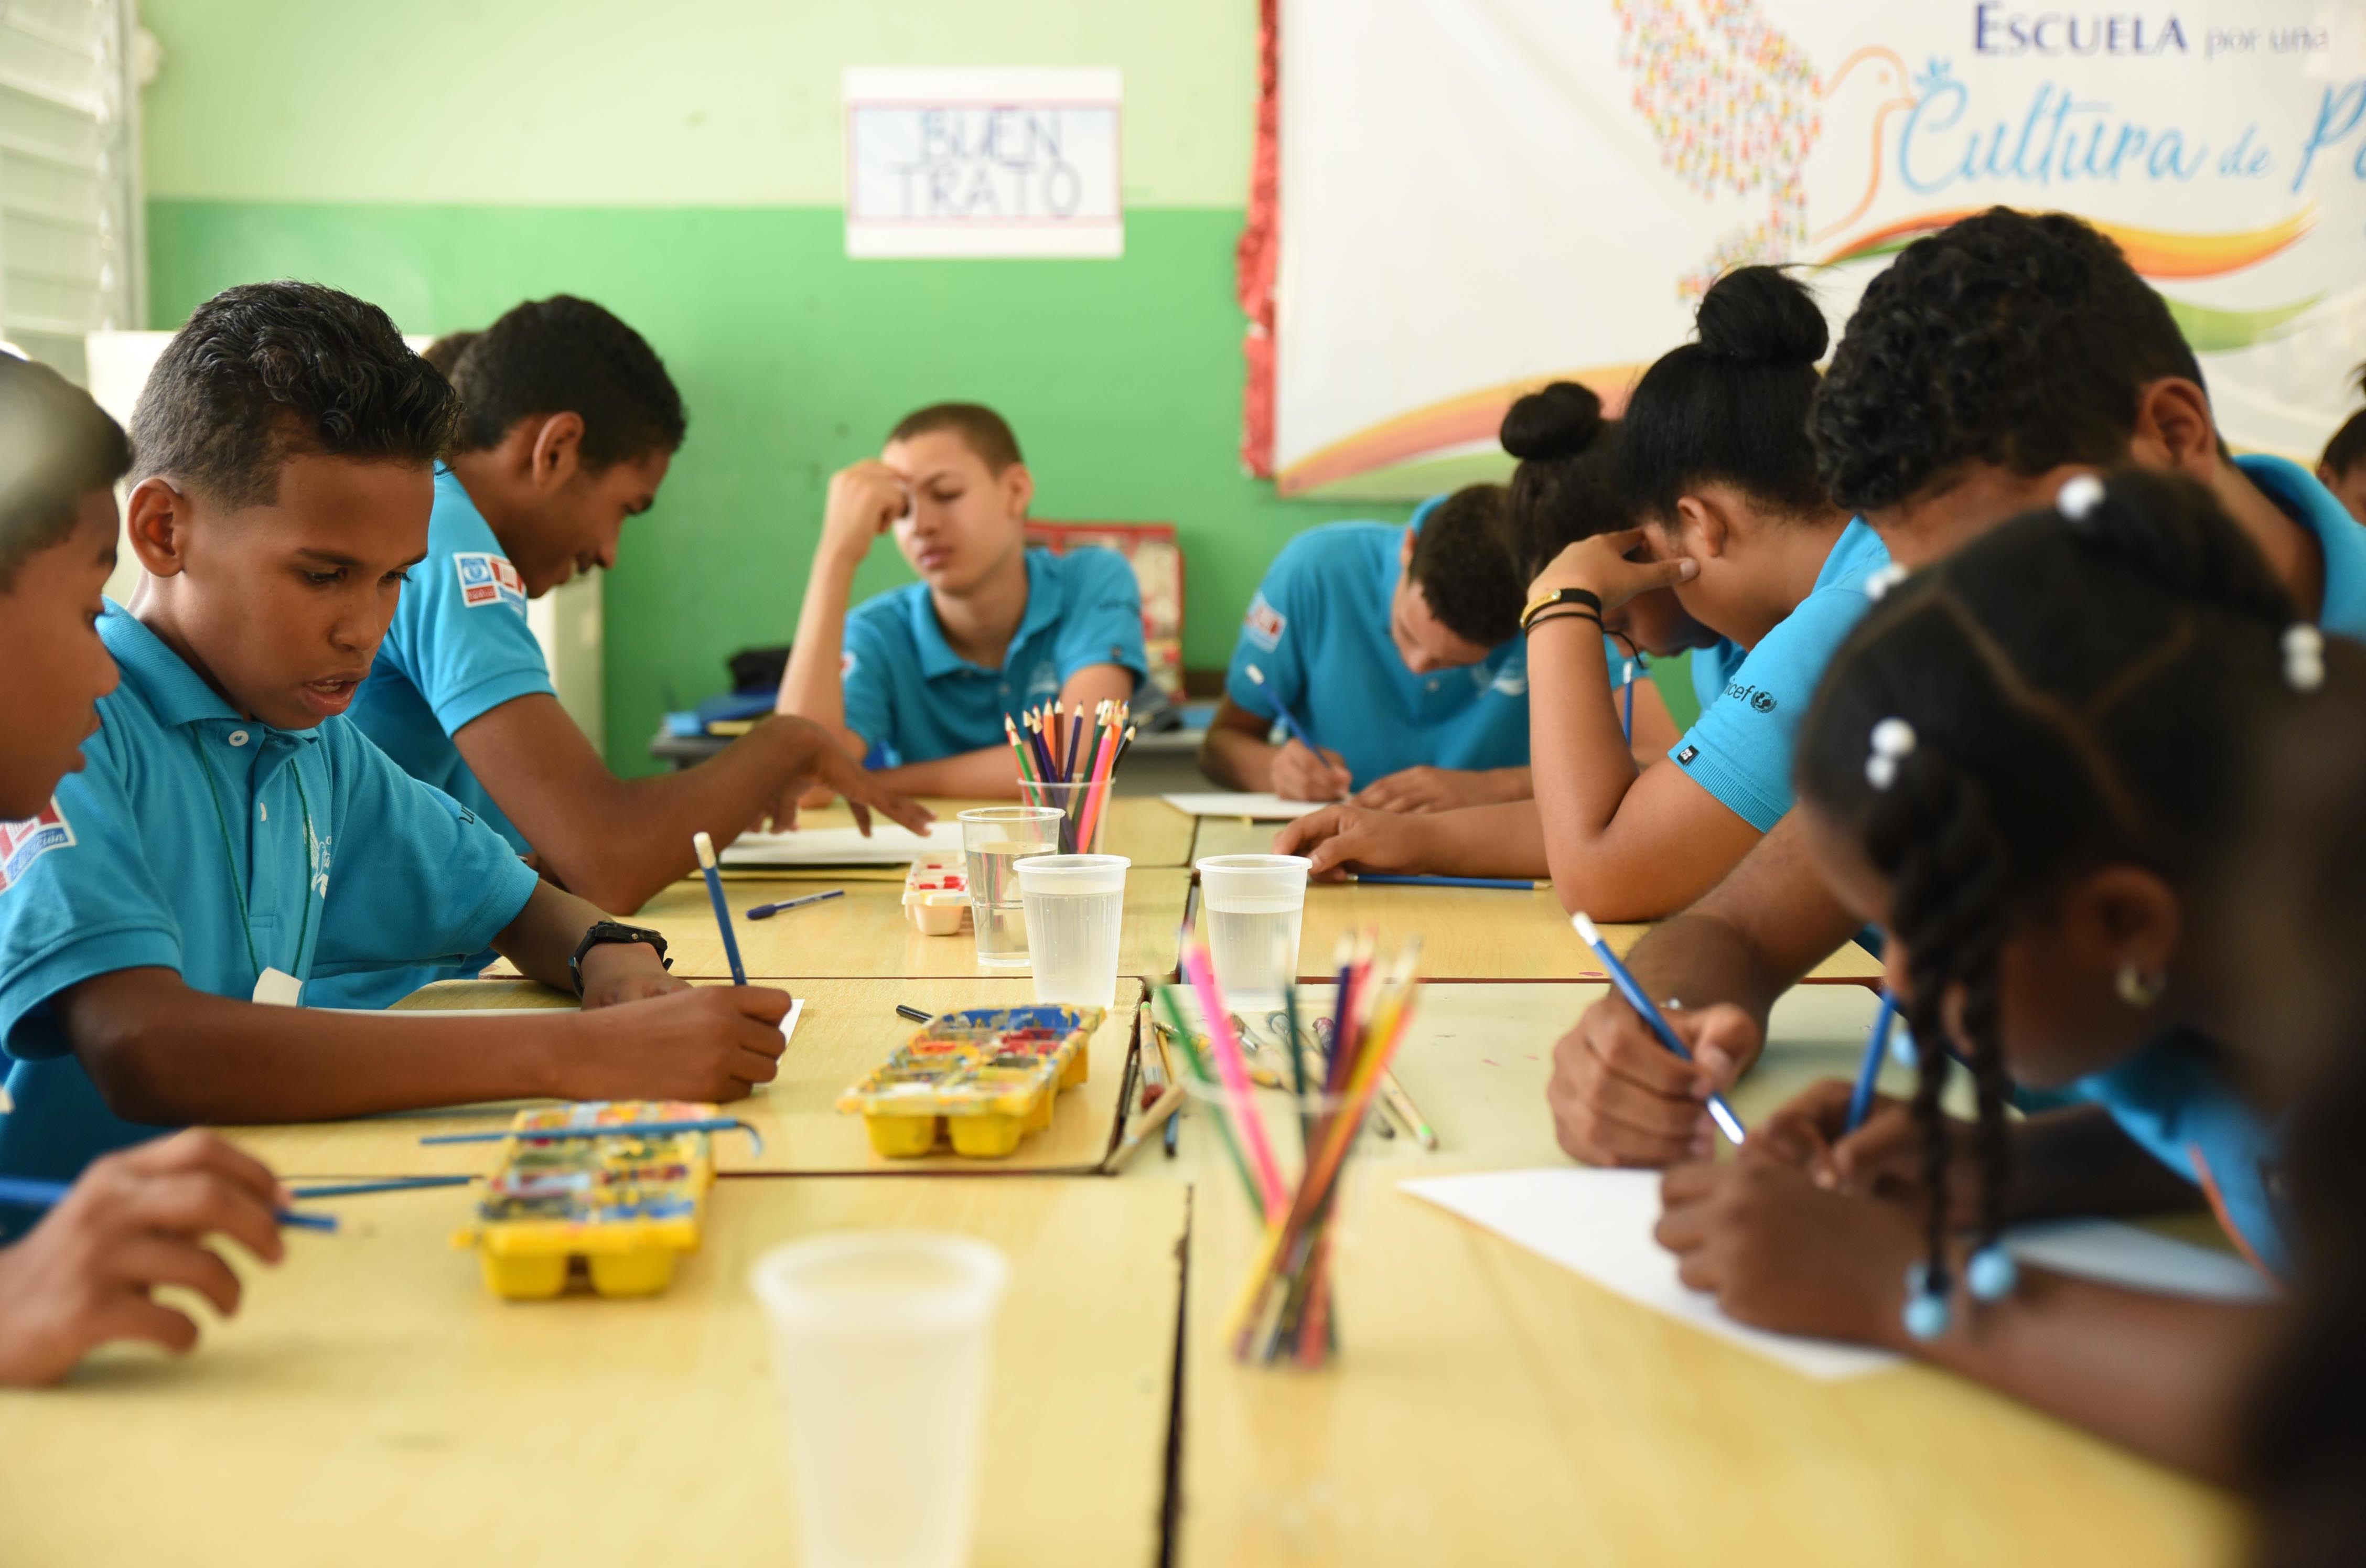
[[980, 1079]]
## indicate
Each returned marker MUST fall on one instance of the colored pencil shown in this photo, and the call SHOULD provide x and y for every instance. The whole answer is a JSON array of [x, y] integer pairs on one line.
[[391, 1184], [1508, 885], [1875, 1046], [1233, 1069], [917, 1015], [1626, 719], [602, 1129], [1289, 719], [20, 1192], [1632, 989], [766, 911], [705, 848]]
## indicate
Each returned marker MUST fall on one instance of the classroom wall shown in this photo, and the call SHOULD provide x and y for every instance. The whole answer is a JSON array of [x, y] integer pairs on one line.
[[680, 163]]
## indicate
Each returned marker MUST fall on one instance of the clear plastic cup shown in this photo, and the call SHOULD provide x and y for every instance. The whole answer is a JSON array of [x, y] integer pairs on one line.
[[1256, 905], [995, 839], [882, 1341], [1086, 806], [1076, 909]]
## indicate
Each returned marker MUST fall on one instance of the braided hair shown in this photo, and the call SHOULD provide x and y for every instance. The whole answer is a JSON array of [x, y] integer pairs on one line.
[[2032, 706]]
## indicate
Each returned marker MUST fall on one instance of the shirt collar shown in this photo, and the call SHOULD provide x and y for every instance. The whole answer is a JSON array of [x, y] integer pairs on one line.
[[1857, 545], [2340, 538], [1045, 600], [163, 680]]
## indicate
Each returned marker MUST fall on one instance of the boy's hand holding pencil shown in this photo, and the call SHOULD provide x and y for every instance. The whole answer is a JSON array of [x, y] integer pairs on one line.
[[703, 1043]]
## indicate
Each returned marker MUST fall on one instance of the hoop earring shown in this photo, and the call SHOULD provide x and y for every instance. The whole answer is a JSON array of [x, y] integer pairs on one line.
[[2136, 987]]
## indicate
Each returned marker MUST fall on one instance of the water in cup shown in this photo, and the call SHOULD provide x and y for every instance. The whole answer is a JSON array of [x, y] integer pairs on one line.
[[1075, 913], [995, 903], [1254, 946]]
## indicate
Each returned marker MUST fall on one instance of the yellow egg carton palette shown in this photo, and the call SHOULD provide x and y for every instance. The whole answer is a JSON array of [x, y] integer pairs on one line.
[[626, 1204], [981, 1079]]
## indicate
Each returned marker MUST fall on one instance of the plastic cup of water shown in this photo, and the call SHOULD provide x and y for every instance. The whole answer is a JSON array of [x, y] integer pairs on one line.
[[882, 1341], [1075, 910], [1256, 905], [995, 839]]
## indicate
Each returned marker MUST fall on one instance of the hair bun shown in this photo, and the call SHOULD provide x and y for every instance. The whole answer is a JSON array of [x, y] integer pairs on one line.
[[1763, 314], [1561, 421]]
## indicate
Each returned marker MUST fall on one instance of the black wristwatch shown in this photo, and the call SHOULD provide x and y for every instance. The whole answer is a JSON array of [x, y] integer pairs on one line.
[[602, 934]]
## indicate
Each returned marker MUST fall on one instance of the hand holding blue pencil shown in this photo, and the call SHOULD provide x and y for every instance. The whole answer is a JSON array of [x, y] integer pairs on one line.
[[1637, 998], [706, 864]]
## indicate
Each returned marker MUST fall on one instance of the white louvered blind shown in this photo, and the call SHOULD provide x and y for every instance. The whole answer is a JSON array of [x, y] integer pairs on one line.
[[71, 255]]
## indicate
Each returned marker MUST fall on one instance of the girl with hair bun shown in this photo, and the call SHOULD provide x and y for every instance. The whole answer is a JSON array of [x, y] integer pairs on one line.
[[1709, 489], [2030, 767]]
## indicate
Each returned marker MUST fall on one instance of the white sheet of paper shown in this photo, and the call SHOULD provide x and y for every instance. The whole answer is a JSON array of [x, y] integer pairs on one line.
[[1256, 807], [889, 844], [796, 1011], [1598, 1224]]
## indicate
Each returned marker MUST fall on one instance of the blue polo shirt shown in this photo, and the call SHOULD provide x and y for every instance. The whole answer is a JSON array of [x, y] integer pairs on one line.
[[1713, 668], [2340, 538], [343, 863], [2173, 1100], [1318, 632], [459, 647], [1740, 748], [913, 699]]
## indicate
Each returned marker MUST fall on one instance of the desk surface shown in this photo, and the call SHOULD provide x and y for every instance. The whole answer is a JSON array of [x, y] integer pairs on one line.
[[848, 1028], [1491, 1406], [373, 1404], [866, 935]]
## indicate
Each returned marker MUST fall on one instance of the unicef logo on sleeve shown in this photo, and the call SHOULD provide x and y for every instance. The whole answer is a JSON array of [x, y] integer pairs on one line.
[[1763, 701], [1760, 699]]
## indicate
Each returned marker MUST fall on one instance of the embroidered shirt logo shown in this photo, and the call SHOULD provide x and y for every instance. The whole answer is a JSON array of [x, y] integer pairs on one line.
[[22, 843], [1265, 623], [1760, 699], [1763, 701], [846, 663], [488, 579]]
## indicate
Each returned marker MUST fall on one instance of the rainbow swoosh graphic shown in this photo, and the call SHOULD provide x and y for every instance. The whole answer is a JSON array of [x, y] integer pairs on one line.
[[1450, 442]]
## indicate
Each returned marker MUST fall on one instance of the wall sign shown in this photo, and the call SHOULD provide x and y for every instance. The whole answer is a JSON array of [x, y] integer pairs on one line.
[[983, 163]]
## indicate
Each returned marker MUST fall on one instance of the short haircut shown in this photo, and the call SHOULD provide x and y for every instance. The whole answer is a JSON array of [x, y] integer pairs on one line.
[[444, 352], [268, 371], [2347, 447], [2009, 338], [568, 356], [1469, 565], [1732, 407], [985, 432], [56, 446]]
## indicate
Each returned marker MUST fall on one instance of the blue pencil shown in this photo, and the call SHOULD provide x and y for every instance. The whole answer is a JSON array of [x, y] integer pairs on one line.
[[1626, 719], [18, 1192], [391, 1184], [705, 847], [1632, 989], [1876, 1045], [766, 911], [1507, 885], [1289, 719], [606, 1129]]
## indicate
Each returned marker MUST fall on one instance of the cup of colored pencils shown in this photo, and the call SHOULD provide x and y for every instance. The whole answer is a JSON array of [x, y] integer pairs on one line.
[[1287, 1309], [1066, 761]]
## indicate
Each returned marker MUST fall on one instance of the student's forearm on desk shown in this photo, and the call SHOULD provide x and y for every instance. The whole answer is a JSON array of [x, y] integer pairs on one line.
[[989, 772], [618, 842], [545, 933], [1504, 841]]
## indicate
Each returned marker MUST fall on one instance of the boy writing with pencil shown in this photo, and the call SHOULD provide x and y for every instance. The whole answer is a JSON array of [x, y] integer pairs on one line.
[[919, 680], [568, 422], [137, 1220], [233, 835]]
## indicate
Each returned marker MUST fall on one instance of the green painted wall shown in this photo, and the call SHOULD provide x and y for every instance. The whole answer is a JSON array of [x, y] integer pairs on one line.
[[682, 164]]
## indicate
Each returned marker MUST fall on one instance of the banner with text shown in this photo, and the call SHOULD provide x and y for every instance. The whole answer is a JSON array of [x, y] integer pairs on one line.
[[1479, 196]]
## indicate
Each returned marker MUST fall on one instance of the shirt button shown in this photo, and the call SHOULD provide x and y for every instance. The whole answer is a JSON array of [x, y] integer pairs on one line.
[[263, 811], [237, 737], [1433, 685]]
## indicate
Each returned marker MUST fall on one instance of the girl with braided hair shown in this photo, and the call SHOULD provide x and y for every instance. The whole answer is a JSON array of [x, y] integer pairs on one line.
[[2028, 767]]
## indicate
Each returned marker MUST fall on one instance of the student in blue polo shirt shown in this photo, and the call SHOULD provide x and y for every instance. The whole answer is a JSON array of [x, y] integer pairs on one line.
[[84, 1274], [918, 679], [567, 427], [233, 835]]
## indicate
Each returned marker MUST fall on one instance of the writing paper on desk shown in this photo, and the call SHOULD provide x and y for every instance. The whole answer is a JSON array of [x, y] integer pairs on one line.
[[1256, 807], [889, 844], [1598, 1224]]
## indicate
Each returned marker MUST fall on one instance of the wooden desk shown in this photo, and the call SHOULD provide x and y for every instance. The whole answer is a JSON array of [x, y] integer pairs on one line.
[[848, 1028], [374, 1406], [1487, 934], [1144, 829], [1232, 836], [1492, 1407], [866, 934]]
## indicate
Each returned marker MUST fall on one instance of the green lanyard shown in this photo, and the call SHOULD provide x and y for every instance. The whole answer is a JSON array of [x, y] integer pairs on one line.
[[230, 856]]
